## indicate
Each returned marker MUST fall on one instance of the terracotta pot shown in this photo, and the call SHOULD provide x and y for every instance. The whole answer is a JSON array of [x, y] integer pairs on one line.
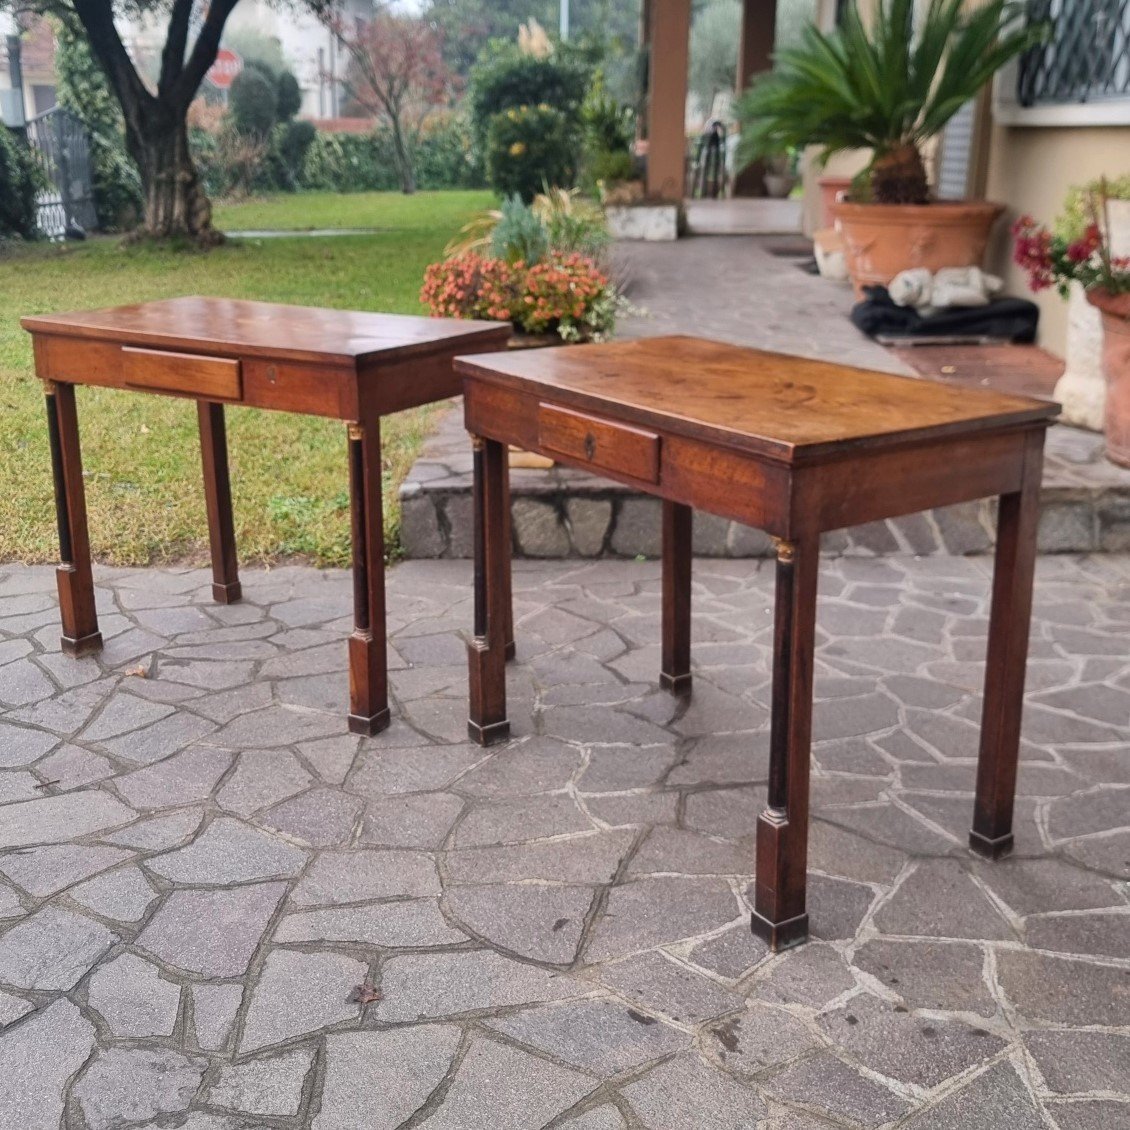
[[1116, 367], [830, 189], [882, 240]]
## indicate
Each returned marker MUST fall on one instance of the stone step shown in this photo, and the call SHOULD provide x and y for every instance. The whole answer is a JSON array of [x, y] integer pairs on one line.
[[566, 513]]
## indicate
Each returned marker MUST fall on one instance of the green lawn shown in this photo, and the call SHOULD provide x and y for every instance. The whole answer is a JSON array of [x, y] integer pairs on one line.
[[141, 454], [422, 212]]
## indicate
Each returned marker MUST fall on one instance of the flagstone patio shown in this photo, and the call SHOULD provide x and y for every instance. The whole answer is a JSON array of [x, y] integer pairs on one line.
[[221, 911]]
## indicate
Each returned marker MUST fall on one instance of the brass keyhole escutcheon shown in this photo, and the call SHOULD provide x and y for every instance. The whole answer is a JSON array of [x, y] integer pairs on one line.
[[272, 374], [590, 446]]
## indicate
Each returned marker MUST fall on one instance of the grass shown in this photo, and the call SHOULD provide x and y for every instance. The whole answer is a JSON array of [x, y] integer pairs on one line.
[[141, 453], [421, 212]]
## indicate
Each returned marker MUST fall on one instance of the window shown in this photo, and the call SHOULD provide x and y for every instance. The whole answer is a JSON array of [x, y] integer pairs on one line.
[[1086, 58]]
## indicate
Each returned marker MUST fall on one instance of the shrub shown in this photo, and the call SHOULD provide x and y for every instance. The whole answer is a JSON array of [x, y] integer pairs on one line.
[[564, 294], [288, 96], [530, 147], [610, 167], [445, 157], [286, 155], [19, 181], [506, 78], [83, 90], [253, 103], [518, 235], [572, 223]]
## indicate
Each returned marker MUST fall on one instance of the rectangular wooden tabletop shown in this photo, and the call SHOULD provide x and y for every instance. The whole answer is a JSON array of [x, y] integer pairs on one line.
[[783, 407], [239, 328]]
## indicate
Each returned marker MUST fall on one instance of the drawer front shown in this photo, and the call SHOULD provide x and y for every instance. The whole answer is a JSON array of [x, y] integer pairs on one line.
[[600, 444], [211, 378]]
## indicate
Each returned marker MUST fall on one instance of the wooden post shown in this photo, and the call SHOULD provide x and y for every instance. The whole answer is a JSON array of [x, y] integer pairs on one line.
[[669, 25], [1009, 625], [217, 502], [756, 43], [486, 652], [368, 658], [678, 527], [73, 576], [779, 914]]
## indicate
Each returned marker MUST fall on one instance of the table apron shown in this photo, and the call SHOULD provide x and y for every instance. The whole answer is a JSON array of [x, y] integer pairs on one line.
[[856, 488], [787, 501]]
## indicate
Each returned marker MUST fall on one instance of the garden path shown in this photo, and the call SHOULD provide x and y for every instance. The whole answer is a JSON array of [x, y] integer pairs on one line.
[[220, 911]]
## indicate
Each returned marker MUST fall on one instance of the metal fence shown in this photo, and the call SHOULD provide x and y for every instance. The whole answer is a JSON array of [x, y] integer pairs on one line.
[[1086, 58], [60, 145]]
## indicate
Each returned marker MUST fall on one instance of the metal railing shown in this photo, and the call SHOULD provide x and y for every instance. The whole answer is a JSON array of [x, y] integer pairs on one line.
[[1086, 57]]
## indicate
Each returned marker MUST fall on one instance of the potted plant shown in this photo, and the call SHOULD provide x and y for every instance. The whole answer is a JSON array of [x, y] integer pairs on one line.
[[880, 86], [1087, 257], [539, 266], [780, 174]]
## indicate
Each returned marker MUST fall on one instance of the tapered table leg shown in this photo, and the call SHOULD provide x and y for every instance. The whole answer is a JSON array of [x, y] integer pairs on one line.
[[368, 658], [779, 914], [675, 672], [1009, 625], [226, 588], [507, 596], [76, 583], [486, 652]]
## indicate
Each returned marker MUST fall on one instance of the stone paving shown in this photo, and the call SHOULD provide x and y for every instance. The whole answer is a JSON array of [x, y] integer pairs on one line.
[[220, 911]]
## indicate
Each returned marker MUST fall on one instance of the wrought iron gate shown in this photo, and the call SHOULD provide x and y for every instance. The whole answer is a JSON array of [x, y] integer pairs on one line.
[[60, 145]]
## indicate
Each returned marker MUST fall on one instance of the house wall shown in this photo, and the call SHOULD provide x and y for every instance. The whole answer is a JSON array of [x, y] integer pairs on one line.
[[1030, 169]]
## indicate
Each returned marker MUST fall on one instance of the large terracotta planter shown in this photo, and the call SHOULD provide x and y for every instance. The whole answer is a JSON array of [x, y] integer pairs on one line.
[[1116, 367], [882, 240], [831, 189]]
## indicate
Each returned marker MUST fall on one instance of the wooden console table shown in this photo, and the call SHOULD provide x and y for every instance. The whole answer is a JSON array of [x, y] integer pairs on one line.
[[791, 446], [351, 366]]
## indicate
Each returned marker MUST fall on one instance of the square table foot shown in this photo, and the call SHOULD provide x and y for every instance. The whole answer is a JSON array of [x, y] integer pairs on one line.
[[488, 735], [229, 593], [780, 935], [84, 645], [368, 725], [991, 849], [676, 684]]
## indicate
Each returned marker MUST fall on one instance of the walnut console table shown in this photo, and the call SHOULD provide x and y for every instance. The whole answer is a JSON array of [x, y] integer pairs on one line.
[[793, 447], [350, 366]]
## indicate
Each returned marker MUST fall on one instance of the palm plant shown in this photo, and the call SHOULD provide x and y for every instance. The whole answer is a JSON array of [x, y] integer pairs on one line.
[[877, 85]]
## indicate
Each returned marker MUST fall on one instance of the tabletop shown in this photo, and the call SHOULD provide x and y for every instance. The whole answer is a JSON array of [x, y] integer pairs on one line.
[[237, 327], [783, 407]]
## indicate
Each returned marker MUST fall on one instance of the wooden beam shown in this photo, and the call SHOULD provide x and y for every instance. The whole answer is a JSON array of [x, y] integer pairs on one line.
[[755, 55], [669, 24]]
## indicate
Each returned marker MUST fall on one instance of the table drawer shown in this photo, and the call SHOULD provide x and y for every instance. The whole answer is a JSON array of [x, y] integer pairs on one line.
[[211, 378], [601, 444]]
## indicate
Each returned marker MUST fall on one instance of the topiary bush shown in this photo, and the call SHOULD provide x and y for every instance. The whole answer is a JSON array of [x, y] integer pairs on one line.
[[528, 148], [506, 78], [253, 102], [19, 182], [288, 96]]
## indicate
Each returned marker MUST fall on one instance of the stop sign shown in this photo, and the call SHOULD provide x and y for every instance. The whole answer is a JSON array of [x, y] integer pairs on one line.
[[224, 70]]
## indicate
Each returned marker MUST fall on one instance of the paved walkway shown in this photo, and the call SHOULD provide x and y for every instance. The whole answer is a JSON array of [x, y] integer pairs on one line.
[[220, 911]]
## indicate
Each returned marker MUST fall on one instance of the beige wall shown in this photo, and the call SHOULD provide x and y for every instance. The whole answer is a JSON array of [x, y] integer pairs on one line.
[[1030, 170]]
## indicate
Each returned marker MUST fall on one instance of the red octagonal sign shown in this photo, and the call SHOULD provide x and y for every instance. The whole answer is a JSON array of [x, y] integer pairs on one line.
[[224, 70]]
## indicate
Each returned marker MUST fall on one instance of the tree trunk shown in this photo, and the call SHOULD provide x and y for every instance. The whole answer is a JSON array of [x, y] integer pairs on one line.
[[176, 205], [899, 177], [403, 160]]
